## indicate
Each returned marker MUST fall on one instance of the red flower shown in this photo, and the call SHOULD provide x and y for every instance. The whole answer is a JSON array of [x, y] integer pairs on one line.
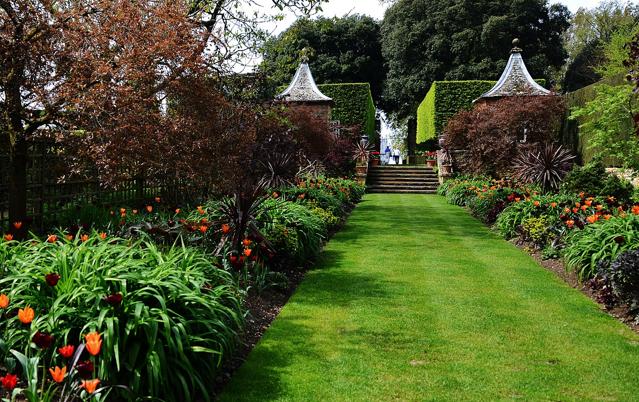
[[42, 340], [52, 279], [9, 381], [66, 351], [149, 208], [247, 252], [114, 299], [52, 238], [158, 199], [85, 369], [17, 225], [635, 210], [226, 228], [203, 229], [8, 237]]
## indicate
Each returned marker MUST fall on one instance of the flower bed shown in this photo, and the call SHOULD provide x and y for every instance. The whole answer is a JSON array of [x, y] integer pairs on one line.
[[163, 290], [590, 232]]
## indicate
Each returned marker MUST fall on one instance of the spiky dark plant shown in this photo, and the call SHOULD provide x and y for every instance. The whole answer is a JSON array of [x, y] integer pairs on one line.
[[546, 166], [362, 151], [279, 169]]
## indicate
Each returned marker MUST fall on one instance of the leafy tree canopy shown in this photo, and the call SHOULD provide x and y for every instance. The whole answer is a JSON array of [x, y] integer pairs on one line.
[[341, 50], [595, 42], [424, 41]]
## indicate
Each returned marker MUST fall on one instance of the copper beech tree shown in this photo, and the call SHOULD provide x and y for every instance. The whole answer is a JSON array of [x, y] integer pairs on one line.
[[101, 77]]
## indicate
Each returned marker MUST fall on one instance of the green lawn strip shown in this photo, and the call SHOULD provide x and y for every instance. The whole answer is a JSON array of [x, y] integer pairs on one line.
[[416, 300]]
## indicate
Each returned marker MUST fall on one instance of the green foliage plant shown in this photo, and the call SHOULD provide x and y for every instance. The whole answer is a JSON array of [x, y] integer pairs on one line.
[[353, 106], [593, 180]]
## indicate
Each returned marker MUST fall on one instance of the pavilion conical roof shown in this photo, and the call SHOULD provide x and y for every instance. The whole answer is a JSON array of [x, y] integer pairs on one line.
[[303, 88], [515, 80]]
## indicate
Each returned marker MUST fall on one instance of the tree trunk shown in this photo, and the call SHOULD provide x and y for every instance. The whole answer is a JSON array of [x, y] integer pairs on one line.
[[18, 189]]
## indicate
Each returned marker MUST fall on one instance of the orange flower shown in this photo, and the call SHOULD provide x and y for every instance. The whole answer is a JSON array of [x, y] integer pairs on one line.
[[275, 195], [149, 208], [582, 194], [536, 203], [599, 207], [17, 225], [84, 238], [8, 237], [69, 237], [247, 252], [226, 228], [593, 218], [553, 205], [158, 199], [93, 342], [203, 229], [567, 210], [575, 210], [177, 211], [58, 373], [52, 239], [4, 301], [635, 210], [570, 223], [103, 236], [201, 210], [246, 242], [517, 199], [90, 385], [135, 211], [301, 196], [584, 208], [578, 204], [588, 203], [204, 221], [607, 217], [26, 316], [123, 210]]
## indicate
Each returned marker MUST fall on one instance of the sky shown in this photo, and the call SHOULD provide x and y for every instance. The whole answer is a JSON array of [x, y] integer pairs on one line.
[[339, 8]]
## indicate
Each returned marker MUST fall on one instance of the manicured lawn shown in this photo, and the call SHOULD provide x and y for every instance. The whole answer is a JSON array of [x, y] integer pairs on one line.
[[416, 300]]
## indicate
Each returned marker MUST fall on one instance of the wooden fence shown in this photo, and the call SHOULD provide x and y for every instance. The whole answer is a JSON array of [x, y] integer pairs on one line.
[[50, 200]]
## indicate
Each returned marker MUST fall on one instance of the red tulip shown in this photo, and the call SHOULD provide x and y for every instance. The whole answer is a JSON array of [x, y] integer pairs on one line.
[[114, 299], [52, 279], [9, 381], [66, 351]]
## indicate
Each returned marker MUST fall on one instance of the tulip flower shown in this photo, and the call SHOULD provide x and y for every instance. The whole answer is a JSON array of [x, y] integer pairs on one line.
[[58, 373], [247, 252], [9, 381], [90, 385], [553, 205], [93, 342], [599, 207], [26, 316], [149, 208], [66, 351], [177, 211], [536, 203], [113, 299], [246, 242], [592, 218], [158, 199], [103, 236], [8, 237], [226, 228], [42, 340], [84, 238], [52, 239], [52, 279], [570, 224], [4, 301], [635, 210], [203, 229], [69, 237], [17, 225], [85, 369]]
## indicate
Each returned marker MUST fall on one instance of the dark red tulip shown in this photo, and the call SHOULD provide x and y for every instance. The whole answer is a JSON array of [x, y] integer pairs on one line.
[[85, 369], [52, 279], [42, 340], [114, 299]]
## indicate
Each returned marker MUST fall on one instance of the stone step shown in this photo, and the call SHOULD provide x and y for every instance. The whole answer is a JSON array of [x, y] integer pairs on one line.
[[400, 191], [400, 174], [403, 181], [402, 187], [401, 171]]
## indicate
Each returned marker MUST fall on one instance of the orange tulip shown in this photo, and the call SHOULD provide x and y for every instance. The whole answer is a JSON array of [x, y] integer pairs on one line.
[[517, 199], [123, 210], [17, 225], [58, 373], [158, 199], [203, 229], [553, 205], [135, 211], [593, 218], [588, 203], [570, 223], [635, 210], [567, 210], [93, 343], [149, 208], [103, 236], [90, 385], [52, 239], [226, 228], [4, 301], [584, 208], [575, 210], [607, 217], [599, 207], [246, 242], [536, 203], [26, 316], [84, 238], [69, 237], [177, 211], [247, 252], [201, 210], [8, 237]]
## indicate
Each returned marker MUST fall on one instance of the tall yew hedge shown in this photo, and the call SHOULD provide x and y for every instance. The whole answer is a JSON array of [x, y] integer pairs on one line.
[[353, 106], [444, 100]]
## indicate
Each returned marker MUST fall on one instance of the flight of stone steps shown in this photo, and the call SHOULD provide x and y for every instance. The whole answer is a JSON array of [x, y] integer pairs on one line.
[[402, 179]]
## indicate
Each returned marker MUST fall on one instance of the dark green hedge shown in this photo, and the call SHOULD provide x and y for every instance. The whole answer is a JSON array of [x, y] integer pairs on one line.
[[444, 100], [353, 105]]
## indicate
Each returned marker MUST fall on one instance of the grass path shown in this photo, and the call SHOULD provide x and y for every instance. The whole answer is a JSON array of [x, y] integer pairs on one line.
[[415, 300]]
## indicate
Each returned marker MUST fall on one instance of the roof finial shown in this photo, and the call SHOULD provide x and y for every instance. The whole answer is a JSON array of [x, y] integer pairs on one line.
[[516, 48], [305, 54]]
